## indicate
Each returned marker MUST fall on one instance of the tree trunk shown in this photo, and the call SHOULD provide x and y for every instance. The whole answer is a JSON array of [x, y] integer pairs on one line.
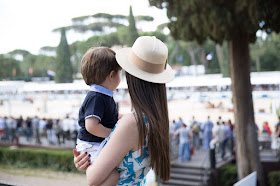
[[258, 67], [248, 159], [202, 56]]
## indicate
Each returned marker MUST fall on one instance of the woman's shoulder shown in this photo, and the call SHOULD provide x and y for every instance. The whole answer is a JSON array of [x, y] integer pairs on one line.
[[127, 128], [128, 121]]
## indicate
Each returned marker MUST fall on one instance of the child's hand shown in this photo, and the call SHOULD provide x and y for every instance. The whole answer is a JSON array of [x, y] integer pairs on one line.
[[81, 161]]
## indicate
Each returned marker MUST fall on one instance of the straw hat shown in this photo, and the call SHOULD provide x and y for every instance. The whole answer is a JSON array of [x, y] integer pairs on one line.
[[146, 60]]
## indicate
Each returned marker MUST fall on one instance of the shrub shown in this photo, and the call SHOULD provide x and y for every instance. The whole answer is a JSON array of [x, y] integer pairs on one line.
[[274, 178], [61, 160], [227, 175]]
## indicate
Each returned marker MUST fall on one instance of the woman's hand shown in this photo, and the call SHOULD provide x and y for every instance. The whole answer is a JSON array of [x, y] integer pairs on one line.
[[81, 161]]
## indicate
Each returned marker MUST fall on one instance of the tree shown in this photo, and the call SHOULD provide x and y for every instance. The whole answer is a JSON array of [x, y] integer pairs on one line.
[[237, 22], [9, 67], [39, 64], [132, 31], [108, 30], [28, 62], [19, 52], [64, 69], [265, 53], [102, 23]]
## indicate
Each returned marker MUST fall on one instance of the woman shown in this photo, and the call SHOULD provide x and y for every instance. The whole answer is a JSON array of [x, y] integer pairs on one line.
[[140, 140]]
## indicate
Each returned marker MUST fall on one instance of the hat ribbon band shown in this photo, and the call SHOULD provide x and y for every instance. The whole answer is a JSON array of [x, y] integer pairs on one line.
[[146, 66]]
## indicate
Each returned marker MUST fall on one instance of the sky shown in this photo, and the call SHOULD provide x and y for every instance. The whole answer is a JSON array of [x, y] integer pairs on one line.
[[28, 24]]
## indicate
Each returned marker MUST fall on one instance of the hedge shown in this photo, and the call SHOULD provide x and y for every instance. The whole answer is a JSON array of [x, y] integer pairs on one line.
[[227, 175], [274, 178], [60, 160]]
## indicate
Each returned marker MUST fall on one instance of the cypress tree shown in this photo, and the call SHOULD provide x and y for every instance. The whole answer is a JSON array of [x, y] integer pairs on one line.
[[132, 31], [64, 69]]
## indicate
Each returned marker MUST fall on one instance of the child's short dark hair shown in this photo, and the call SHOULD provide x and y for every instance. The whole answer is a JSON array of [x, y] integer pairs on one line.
[[97, 63]]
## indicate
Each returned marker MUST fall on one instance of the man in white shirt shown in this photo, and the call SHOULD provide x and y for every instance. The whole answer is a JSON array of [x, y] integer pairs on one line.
[[66, 128], [219, 135]]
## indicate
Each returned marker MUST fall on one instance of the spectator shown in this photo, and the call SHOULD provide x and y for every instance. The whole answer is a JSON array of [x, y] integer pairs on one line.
[[185, 138], [36, 127], [277, 128], [19, 129], [50, 133], [193, 121], [173, 142], [42, 126], [220, 121], [58, 131], [28, 130], [2, 128], [19, 126], [179, 123], [219, 135], [207, 133], [172, 128], [229, 123], [13, 129], [230, 137], [73, 127], [266, 128], [195, 127], [66, 128], [8, 129]]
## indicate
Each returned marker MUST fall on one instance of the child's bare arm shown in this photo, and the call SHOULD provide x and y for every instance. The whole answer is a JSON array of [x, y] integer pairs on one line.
[[94, 127]]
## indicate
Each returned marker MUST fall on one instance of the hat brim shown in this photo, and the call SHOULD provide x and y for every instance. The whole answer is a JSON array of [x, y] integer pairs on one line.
[[122, 57]]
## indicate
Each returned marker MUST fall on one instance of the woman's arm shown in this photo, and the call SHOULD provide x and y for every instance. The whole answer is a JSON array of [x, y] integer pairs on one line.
[[123, 139]]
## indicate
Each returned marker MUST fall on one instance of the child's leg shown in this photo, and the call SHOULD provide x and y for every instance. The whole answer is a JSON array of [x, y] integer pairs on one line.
[[112, 179]]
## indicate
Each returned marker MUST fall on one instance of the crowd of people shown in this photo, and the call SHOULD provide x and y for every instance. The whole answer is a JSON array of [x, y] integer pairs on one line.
[[183, 135], [266, 130], [187, 137], [56, 131]]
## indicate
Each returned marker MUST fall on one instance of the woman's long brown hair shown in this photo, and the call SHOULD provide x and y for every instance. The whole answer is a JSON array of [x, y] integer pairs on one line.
[[149, 99]]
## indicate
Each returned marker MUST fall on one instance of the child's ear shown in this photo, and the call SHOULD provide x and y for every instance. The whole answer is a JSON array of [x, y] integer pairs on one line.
[[112, 74]]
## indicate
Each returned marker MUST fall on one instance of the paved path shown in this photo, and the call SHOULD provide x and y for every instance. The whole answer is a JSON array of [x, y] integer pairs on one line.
[[35, 177], [200, 159]]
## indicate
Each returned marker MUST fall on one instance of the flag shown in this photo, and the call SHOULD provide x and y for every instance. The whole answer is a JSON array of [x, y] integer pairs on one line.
[[180, 58], [14, 72], [210, 56], [51, 73], [30, 71]]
